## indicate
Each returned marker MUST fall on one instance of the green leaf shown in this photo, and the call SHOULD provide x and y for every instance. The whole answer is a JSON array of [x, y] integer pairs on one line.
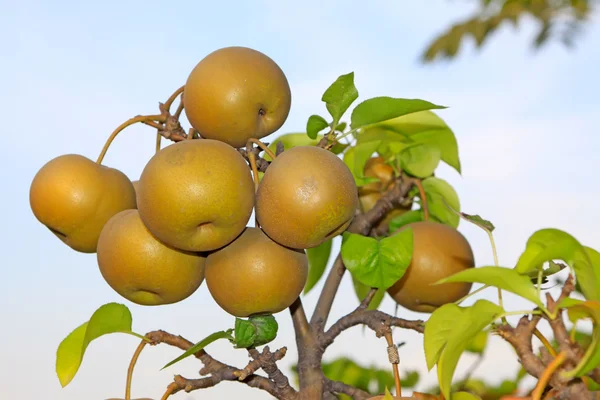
[[477, 220], [478, 344], [266, 329], [437, 190], [504, 278], [551, 244], [341, 127], [315, 124], [245, 333], [424, 127], [591, 358], [201, 345], [375, 263], [464, 396], [438, 329], [420, 160], [361, 291], [405, 219], [318, 257], [471, 321], [339, 96], [109, 318], [385, 108], [387, 395]]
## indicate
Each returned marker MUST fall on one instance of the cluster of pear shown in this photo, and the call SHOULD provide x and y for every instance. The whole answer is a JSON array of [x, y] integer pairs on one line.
[[186, 220]]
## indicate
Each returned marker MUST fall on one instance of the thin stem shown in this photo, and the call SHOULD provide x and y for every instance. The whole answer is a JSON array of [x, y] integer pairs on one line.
[[423, 196], [545, 378], [134, 359], [170, 389], [263, 147], [545, 342], [131, 121], [394, 360], [520, 312], [172, 98], [179, 108], [158, 140], [496, 263], [471, 294]]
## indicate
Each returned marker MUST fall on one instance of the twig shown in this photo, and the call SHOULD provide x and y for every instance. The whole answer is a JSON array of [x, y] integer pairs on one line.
[[547, 374], [340, 387], [520, 338]]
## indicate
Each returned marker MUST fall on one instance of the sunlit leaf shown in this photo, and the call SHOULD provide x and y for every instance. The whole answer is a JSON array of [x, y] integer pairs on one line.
[[437, 190], [385, 108], [315, 124], [438, 329], [339, 96]]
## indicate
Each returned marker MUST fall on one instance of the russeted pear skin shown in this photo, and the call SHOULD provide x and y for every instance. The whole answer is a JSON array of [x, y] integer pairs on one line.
[[74, 197], [306, 196], [196, 195], [236, 93], [141, 268], [255, 275], [439, 251]]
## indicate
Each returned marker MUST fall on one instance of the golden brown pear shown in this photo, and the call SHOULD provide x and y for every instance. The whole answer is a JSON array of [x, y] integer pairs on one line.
[[196, 195], [74, 197], [306, 196], [439, 251], [255, 275], [236, 93], [142, 269]]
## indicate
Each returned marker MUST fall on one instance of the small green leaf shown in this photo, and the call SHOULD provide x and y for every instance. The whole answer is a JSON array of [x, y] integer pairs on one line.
[[341, 127], [472, 321], [318, 257], [375, 263], [315, 124], [201, 345], [504, 278], [266, 329], [361, 291], [439, 192], [109, 318], [245, 333], [477, 220], [551, 244], [384, 108], [339, 96], [387, 395], [405, 219], [357, 157], [438, 329], [420, 160]]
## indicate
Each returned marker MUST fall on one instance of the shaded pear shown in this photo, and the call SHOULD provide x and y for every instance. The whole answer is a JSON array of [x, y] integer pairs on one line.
[[236, 93], [196, 195], [74, 197], [439, 251], [142, 269], [306, 196], [255, 275]]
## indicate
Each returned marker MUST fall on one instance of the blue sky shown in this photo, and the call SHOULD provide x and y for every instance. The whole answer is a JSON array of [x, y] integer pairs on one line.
[[72, 71]]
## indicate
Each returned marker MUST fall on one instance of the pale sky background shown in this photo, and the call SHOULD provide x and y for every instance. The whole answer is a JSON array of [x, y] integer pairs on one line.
[[527, 128]]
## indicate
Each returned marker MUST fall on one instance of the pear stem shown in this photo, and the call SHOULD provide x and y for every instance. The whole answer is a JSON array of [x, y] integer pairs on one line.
[[170, 389], [134, 359], [131, 121], [394, 360], [263, 147], [158, 140], [423, 196], [171, 99]]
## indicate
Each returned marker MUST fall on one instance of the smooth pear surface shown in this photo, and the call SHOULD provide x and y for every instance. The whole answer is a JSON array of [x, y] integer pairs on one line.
[[196, 195], [237, 93], [439, 251], [74, 197], [142, 269], [306, 196], [255, 275]]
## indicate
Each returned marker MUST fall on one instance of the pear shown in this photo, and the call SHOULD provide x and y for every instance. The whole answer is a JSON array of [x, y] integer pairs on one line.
[[236, 93], [142, 269], [255, 275], [196, 195], [306, 196], [74, 197], [439, 251]]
